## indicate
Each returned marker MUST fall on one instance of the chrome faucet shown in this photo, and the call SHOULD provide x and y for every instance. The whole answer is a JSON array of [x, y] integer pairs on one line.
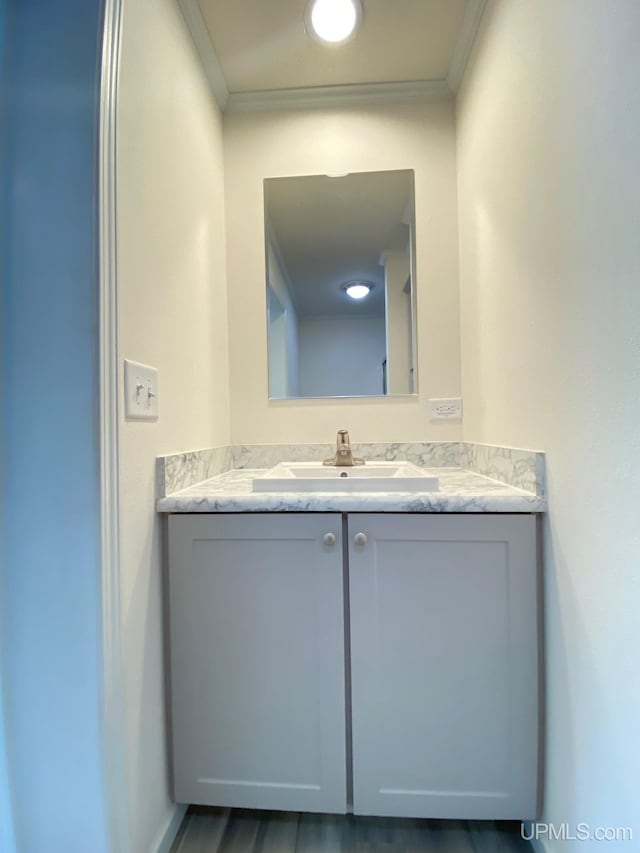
[[344, 457]]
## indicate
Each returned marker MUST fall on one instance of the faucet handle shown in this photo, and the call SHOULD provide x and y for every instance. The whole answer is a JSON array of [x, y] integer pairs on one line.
[[343, 455]]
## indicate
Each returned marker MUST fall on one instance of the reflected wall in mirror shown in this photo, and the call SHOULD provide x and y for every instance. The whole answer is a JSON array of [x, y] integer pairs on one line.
[[323, 233]]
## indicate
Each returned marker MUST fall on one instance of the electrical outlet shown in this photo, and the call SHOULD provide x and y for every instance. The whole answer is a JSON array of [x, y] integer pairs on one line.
[[140, 391], [448, 409]]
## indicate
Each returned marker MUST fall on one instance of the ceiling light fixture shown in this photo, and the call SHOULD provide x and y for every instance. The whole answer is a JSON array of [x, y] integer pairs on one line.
[[357, 289], [332, 21]]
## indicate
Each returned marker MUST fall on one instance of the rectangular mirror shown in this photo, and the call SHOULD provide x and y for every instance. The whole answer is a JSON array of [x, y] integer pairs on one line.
[[324, 234]]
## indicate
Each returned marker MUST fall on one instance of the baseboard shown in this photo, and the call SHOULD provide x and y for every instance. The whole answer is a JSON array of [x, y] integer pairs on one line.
[[165, 838]]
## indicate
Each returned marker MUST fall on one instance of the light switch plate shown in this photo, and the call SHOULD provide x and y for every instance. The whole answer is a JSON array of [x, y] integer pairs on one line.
[[140, 391], [446, 409]]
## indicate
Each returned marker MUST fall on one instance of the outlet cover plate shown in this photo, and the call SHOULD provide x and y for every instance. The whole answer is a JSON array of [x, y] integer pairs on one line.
[[140, 391], [446, 409]]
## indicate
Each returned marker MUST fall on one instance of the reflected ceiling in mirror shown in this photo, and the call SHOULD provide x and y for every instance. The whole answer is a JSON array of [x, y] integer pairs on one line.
[[322, 234]]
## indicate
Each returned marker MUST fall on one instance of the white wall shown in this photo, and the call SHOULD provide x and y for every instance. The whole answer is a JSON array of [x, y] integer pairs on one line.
[[289, 379], [173, 315], [304, 142], [549, 201], [341, 356], [398, 309], [50, 624]]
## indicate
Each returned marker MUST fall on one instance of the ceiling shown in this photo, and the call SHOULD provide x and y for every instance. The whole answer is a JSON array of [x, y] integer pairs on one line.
[[257, 54], [332, 230]]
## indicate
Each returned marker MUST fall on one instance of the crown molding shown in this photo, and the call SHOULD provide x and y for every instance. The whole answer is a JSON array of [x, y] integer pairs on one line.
[[337, 96], [200, 34], [464, 45], [330, 96]]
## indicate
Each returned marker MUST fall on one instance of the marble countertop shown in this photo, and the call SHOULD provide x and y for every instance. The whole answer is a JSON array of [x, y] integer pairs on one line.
[[460, 491]]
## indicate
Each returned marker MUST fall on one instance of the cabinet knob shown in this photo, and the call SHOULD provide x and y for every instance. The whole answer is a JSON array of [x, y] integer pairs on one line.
[[329, 539], [360, 538]]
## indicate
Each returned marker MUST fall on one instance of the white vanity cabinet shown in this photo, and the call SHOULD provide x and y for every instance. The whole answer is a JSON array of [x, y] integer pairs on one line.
[[256, 612], [440, 710], [444, 666]]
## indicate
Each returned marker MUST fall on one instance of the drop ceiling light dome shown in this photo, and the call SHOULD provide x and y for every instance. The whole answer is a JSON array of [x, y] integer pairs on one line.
[[357, 289], [333, 21]]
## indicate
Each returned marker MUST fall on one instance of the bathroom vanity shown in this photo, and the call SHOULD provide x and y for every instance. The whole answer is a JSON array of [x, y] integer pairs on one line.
[[336, 659]]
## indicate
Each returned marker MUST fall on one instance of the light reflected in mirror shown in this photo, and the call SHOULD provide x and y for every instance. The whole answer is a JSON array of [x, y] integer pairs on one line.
[[322, 234]]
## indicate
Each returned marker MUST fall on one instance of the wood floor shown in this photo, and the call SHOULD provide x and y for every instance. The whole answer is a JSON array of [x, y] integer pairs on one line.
[[242, 831]]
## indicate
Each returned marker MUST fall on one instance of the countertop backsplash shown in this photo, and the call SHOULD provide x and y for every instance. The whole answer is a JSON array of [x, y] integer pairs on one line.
[[522, 469]]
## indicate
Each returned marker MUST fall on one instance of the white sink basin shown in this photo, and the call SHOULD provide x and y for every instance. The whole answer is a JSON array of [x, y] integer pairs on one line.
[[371, 477]]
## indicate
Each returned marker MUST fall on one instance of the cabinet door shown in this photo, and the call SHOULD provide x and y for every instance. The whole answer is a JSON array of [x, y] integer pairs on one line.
[[257, 661], [444, 665]]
